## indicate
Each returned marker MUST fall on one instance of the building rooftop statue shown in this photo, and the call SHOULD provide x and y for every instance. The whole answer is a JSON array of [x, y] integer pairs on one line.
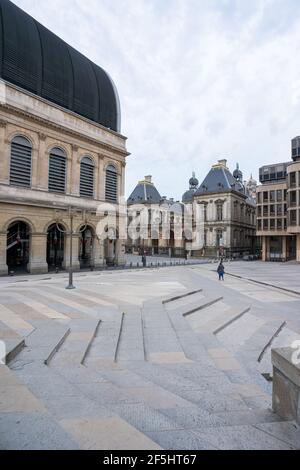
[[35, 59]]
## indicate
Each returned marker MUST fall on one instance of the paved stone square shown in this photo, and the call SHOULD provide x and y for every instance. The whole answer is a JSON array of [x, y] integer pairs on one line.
[[125, 370]]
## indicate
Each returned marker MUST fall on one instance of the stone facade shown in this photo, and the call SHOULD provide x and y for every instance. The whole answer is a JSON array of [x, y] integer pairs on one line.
[[228, 214], [278, 210], [46, 126], [158, 216]]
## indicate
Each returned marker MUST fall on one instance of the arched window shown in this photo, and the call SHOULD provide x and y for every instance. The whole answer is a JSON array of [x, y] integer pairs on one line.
[[57, 171], [111, 184], [20, 162], [87, 177]]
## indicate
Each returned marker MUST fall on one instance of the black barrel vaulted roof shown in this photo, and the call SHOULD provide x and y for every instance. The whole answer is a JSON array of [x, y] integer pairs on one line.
[[37, 60]]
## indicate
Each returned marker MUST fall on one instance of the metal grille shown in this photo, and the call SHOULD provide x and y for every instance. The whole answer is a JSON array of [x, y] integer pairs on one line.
[[86, 178], [57, 172], [111, 184], [20, 163]]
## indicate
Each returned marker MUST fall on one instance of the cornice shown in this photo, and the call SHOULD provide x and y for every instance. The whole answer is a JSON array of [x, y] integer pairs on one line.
[[58, 127]]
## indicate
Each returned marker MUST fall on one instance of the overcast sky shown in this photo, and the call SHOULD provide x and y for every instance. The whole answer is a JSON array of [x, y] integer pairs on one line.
[[198, 80]]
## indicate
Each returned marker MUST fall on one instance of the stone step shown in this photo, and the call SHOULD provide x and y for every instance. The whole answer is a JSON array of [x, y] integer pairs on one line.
[[14, 321], [239, 332], [160, 336], [183, 300], [210, 316], [131, 346], [284, 337], [78, 344], [103, 350], [11, 344]]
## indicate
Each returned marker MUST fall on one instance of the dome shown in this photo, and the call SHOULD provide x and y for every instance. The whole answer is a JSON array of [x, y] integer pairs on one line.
[[35, 59], [188, 196], [144, 193], [237, 174], [194, 182]]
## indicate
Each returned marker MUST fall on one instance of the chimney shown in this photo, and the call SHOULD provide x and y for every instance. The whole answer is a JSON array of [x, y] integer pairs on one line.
[[148, 179], [223, 162]]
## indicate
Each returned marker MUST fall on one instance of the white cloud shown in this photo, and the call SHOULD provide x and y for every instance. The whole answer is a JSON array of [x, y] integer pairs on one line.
[[198, 79]]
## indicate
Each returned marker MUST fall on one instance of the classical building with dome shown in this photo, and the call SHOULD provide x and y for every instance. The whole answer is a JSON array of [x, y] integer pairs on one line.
[[155, 217], [62, 154], [227, 208]]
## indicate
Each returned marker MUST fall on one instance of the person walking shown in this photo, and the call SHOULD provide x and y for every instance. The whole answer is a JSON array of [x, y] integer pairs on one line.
[[221, 271]]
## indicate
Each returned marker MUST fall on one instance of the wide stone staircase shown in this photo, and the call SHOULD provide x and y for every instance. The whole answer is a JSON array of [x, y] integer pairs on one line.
[[172, 373]]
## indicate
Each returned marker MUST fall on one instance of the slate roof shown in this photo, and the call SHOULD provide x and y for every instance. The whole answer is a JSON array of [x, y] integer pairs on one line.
[[218, 180], [144, 193], [35, 59], [188, 196]]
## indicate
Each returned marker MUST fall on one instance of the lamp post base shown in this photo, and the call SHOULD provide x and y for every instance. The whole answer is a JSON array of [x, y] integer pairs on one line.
[[70, 287]]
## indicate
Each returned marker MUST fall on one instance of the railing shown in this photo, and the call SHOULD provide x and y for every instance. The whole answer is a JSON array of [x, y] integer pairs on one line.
[[13, 239]]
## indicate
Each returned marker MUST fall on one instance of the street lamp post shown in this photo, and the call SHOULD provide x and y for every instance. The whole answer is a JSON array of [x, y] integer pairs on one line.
[[72, 212], [71, 286]]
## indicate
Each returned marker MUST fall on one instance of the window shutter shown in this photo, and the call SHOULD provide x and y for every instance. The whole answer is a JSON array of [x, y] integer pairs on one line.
[[111, 184], [20, 162], [86, 178], [57, 171]]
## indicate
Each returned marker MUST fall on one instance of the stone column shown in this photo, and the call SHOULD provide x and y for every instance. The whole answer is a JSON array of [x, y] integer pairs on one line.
[[43, 164], [122, 182], [38, 253], [265, 248], [298, 247], [120, 253], [101, 179], [4, 154], [74, 172], [96, 179], [35, 168], [284, 248], [3, 244], [98, 253], [75, 252]]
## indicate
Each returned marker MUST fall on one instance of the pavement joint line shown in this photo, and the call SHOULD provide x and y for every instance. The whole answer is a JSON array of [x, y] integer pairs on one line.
[[256, 426], [265, 284], [143, 333], [119, 338], [269, 343], [178, 297], [87, 350], [57, 347], [229, 322], [202, 307]]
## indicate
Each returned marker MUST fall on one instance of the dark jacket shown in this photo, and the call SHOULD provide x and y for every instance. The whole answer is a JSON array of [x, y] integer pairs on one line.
[[221, 269]]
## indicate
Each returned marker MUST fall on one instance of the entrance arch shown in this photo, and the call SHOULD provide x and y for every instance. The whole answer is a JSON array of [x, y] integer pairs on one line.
[[86, 247], [18, 246], [55, 246]]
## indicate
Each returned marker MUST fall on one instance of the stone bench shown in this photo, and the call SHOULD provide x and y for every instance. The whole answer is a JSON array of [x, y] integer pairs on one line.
[[286, 383]]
